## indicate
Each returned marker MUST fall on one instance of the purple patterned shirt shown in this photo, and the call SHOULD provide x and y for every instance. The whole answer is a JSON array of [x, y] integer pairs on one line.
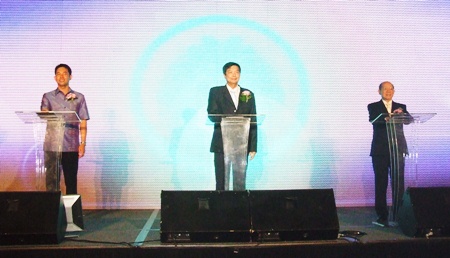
[[56, 101]]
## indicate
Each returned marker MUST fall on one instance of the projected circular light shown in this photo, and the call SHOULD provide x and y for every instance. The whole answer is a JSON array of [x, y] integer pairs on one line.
[[169, 95], [170, 75]]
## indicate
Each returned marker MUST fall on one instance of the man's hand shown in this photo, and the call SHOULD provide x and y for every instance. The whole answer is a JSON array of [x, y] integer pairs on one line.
[[252, 154], [81, 150], [398, 111]]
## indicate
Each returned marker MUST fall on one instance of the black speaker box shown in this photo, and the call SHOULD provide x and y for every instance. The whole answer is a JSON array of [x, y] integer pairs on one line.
[[294, 214], [31, 218], [205, 216], [425, 212]]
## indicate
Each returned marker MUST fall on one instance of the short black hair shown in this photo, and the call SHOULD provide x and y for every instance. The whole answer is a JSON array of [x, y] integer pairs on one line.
[[65, 66], [228, 65]]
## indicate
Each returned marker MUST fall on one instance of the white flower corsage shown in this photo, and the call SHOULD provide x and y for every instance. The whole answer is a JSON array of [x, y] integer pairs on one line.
[[245, 96], [71, 96]]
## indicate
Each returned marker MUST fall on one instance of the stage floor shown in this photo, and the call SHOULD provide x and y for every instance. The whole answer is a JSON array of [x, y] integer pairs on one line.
[[135, 233]]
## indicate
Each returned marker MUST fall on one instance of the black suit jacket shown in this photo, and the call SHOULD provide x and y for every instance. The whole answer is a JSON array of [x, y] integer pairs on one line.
[[220, 102], [380, 145]]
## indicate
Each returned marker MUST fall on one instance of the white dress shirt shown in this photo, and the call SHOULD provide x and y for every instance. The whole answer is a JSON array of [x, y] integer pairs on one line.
[[234, 94], [388, 105]]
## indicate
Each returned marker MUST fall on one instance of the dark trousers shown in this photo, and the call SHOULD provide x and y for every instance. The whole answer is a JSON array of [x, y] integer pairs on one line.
[[219, 166], [382, 169], [69, 163], [223, 170]]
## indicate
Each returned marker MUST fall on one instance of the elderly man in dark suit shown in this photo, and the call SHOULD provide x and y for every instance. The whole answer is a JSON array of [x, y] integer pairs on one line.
[[380, 151], [230, 99]]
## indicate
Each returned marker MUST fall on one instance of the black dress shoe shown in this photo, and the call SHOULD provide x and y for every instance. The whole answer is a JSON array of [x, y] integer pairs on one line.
[[381, 222]]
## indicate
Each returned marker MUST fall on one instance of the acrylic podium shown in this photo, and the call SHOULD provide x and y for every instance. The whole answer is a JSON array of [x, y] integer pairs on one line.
[[48, 128], [235, 133], [399, 150]]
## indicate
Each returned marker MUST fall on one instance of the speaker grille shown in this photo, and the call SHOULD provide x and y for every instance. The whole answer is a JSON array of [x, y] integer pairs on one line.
[[425, 212], [32, 218], [248, 215]]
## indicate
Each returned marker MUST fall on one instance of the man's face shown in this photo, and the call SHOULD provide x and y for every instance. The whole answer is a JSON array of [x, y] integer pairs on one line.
[[62, 77], [387, 91], [232, 75]]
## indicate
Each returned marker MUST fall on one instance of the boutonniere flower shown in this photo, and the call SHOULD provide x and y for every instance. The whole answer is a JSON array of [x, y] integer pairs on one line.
[[245, 96], [71, 96]]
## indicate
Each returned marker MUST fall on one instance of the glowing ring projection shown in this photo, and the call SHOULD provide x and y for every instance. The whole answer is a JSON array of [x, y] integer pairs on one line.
[[137, 103]]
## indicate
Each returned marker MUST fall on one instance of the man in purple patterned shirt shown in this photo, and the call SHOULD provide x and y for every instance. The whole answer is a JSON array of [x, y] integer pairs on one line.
[[74, 143]]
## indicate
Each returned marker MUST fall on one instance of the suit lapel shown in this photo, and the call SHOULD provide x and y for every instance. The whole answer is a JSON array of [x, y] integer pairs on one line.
[[383, 107], [226, 95], [395, 105], [241, 104]]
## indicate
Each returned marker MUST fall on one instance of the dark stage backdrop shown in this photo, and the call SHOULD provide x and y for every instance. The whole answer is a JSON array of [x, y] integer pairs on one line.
[[146, 67]]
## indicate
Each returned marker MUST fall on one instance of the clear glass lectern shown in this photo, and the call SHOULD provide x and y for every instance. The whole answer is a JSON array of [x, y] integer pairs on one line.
[[235, 133], [48, 128], [399, 151]]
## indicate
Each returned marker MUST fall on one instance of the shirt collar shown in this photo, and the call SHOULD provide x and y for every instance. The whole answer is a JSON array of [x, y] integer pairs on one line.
[[58, 91], [236, 89]]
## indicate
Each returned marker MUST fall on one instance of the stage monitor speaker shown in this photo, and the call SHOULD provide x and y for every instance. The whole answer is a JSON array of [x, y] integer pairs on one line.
[[74, 212], [291, 215], [205, 216], [31, 218], [425, 212]]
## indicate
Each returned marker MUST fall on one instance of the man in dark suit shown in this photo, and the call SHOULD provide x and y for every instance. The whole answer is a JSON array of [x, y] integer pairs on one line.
[[380, 149], [230, 99]]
